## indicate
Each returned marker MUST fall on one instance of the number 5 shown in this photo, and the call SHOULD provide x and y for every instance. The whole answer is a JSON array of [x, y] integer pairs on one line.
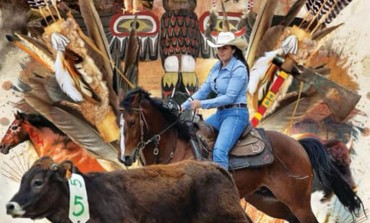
[[74, 182], [77, 202]]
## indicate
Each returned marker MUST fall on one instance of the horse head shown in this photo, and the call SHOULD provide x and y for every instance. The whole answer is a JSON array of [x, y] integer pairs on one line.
[[131, 126], [146, 127], [15, 134]]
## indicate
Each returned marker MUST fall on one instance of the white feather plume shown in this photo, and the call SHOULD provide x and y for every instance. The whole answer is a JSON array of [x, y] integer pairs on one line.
[[58, 41], [259, 69], [290, 45], [63, 77]]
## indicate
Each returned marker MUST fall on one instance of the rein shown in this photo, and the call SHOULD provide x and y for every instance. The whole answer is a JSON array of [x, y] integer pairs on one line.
[[155, 138]]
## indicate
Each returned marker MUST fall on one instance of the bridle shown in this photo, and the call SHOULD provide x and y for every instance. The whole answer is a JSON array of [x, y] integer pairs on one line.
[[141, 145]]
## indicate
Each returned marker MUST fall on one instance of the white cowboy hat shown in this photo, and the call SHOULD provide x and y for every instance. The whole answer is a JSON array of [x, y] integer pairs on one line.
[[228, 38]]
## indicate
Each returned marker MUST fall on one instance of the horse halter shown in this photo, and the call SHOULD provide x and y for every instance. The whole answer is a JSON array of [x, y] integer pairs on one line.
[[155, 139]]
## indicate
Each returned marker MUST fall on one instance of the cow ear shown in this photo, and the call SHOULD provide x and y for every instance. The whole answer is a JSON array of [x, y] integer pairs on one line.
[[60, 172], [68, 167]]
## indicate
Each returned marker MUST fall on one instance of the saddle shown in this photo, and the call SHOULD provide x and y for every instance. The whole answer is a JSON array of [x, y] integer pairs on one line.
[[253, 149]]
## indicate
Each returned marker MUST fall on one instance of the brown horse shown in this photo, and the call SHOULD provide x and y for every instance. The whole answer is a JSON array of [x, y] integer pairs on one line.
[[154, 132], [47, 140]]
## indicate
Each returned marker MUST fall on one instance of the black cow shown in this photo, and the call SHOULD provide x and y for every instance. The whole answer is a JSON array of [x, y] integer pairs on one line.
[[189, 191]]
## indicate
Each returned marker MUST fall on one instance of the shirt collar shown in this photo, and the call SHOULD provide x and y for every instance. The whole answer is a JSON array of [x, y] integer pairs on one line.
[[230, 65]]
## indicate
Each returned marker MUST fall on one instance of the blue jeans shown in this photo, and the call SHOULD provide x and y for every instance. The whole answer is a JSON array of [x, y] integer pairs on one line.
[[230, 123]]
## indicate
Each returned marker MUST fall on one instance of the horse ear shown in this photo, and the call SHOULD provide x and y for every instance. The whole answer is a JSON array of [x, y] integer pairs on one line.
[[136, 100], [20, 116], [17, 115], [121, 95]]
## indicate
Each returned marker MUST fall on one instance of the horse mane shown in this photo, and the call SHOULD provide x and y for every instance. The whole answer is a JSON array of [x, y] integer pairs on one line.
[[39, 121], [170, 115], [126, 102]]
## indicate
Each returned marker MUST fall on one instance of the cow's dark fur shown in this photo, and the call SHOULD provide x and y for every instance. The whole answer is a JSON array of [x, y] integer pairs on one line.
[[189, 191]]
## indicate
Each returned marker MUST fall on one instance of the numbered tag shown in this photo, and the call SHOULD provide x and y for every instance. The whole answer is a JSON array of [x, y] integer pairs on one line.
[[78, 203]]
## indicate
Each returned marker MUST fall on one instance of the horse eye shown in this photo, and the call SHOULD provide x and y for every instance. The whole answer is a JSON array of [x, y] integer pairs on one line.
[[37, 182], [236, 1], [14, 127]]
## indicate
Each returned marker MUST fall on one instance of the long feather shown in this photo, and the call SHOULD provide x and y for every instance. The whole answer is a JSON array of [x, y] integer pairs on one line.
[[75, 128], [34, 48], [262, 23], [132, 56], [280, 119], [97, 34], [212, 22], [213, 17], [22, 86], [292, 13], [225, 21], [46, 87], [46, 90], [328, 8], [39, 3], [269, 40], [339, 6], [317, 36], [53, 89]]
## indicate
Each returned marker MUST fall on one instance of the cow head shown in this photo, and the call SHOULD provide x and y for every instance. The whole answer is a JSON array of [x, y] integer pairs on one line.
[[43, 190]]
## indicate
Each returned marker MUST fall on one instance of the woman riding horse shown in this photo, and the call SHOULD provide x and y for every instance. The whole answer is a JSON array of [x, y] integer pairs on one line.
[[228, 78], [153, 131]]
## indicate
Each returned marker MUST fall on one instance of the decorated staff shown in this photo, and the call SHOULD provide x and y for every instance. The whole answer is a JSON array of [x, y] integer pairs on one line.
[[298, 43]]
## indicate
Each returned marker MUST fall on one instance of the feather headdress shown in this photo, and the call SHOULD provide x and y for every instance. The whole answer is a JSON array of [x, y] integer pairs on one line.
[[81, 66], [85, 122], [298, 44]]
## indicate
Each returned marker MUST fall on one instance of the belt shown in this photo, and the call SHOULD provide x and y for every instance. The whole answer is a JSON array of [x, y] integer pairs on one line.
[[241, 105]]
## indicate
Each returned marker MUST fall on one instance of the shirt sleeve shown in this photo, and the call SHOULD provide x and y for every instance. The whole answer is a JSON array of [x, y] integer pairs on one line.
[[202, 93], [237, 82]]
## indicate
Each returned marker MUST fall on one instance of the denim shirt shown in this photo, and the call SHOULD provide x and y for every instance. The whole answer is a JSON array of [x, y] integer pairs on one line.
[[230, 83]]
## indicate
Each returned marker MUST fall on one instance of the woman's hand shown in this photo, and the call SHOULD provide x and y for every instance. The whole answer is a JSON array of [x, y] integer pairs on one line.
[[195, 104]]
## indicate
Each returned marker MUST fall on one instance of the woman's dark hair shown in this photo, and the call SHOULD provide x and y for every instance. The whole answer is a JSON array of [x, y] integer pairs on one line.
[[240, 56]]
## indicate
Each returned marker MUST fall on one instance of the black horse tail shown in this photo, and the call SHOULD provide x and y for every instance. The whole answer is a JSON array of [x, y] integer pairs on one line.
[[329, 175]]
